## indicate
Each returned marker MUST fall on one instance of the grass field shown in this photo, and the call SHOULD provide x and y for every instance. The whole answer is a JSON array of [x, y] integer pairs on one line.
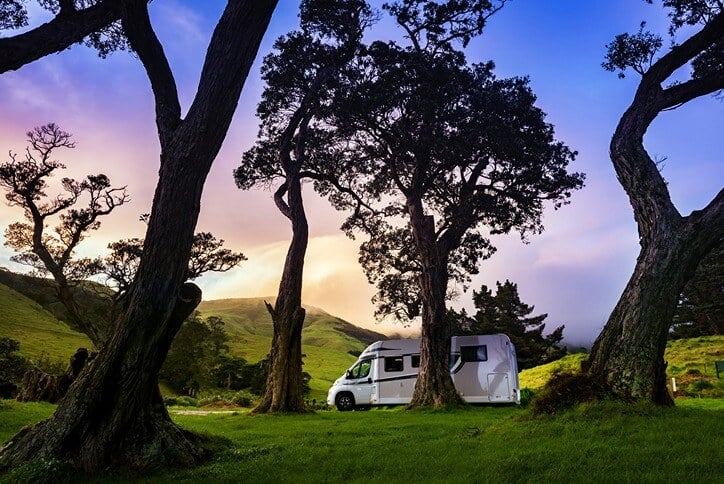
[[595, 443]]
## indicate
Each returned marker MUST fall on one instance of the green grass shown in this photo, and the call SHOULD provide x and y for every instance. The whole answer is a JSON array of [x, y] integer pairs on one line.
[[36, 329], [697, 354], [606, 442], [535, 378]]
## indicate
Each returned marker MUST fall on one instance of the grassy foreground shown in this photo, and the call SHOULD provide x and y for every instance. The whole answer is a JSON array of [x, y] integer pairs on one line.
[[597, 443]]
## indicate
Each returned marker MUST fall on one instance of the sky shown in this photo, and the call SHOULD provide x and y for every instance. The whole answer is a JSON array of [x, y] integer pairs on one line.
[[575, 271]]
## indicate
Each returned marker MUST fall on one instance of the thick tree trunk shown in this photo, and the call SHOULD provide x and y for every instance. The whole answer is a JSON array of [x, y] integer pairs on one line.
[[113, 414], [284, 391], [434, 386], [628, 356]]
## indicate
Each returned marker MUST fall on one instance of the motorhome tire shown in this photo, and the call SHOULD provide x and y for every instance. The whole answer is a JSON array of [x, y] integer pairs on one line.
[[345, 402]]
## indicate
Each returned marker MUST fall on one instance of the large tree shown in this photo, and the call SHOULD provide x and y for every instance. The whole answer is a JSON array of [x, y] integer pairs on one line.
[[25, 179], [628, 355], [113, 415], [504, 312], [93, 22], [299, 77], [435, 151]]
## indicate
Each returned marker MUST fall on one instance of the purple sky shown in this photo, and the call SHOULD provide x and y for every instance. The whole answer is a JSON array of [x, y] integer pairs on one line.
[[575, 270]]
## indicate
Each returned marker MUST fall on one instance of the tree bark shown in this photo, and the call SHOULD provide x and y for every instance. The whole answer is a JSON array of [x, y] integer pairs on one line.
[[434, 386], [628, 356], [113, 415], [284, 391]]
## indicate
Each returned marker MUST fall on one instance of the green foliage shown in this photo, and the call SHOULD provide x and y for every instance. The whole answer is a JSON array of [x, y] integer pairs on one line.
[[700, 311], [505, 313], [12, 366], [243, 398], [194, 353]]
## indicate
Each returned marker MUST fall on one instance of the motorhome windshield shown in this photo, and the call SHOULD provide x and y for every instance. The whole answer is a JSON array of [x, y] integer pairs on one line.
[[361, 369]]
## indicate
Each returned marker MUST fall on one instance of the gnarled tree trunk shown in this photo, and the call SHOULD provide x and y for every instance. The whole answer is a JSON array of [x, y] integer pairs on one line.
[[434, 386], [113, 415], [284, 391], [628, 356]]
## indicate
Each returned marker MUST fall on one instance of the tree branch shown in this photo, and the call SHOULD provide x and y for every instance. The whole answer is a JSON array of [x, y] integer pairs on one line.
[[66, 29], [143, 40], [682, 93], [681, 54]]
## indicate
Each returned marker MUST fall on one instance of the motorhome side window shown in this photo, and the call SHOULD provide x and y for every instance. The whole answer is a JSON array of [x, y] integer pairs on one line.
[[474, 353], [415, 363], [393, 363], [361, 369]]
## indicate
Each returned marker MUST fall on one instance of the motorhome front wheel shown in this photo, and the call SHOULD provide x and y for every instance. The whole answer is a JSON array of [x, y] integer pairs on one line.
[[345, 402]]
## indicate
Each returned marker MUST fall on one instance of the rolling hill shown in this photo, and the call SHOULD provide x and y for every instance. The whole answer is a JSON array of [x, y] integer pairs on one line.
[[30, 313]]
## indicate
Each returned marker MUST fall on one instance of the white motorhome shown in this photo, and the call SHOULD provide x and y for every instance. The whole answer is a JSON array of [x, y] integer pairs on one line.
[[483, 368]]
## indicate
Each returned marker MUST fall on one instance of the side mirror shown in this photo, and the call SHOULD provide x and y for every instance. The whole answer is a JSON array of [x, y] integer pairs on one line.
[[348, 375]]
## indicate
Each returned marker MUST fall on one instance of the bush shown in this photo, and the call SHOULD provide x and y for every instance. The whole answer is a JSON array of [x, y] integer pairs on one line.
[[565, 390], [210, 399], [243, 398], [52, 366]]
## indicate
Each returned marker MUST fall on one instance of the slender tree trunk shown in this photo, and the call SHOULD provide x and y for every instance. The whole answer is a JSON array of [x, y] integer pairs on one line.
[[283, 390], [434, 386], [113, 414], [97, 331], [628, 356]]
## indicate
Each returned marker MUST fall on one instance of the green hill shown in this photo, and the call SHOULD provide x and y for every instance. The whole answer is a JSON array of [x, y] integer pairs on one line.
[[327, 341], [38, 331]]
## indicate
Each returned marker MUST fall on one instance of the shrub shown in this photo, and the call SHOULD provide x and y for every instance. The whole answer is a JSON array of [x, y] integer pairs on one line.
[[209, 399], [243, 398], [564, 390]]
